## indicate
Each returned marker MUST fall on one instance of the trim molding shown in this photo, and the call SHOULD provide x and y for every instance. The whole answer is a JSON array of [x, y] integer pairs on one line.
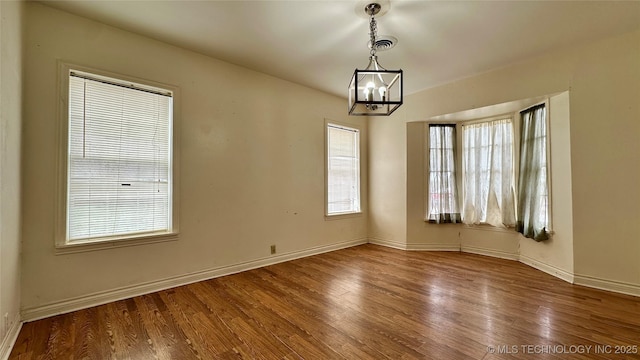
[[388, 243], [10, 339], [125, 292], [490, 252], [608, 285], [549, 269], [414, 246], [433, 247]]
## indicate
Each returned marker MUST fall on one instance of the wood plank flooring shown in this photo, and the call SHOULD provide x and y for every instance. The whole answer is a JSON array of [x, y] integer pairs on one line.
[[365, 302]]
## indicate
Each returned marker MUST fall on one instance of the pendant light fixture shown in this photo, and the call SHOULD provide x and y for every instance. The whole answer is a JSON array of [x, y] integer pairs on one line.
[[374, 91]]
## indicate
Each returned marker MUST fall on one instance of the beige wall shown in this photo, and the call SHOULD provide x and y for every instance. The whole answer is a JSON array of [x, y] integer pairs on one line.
[[603, 80], [11, 21], [387, 181], [604, 155], [251, 158]]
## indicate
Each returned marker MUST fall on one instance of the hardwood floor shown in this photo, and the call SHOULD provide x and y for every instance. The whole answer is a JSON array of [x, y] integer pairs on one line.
[[365, 302]]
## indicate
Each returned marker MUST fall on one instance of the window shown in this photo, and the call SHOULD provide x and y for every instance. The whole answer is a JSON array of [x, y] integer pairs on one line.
[[443, 198], [487, 166], [119, 168], [343, 170], [495, 152], [533, 181]]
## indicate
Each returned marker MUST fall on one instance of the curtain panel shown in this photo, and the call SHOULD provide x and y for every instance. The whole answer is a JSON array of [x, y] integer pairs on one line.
[[488, 184], [533, 184]]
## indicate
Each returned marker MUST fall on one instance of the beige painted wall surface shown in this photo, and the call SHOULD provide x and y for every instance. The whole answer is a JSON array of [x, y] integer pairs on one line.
[[604, 83], [11, 20], [605, 153], [488, 240], [252, 162], [387, 181]]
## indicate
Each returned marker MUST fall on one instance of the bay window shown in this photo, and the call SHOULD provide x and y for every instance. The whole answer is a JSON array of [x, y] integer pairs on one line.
[[495, 152]]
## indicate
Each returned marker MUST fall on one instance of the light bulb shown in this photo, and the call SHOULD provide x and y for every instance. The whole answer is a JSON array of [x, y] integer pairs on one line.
[[368, 91], [383, 93]]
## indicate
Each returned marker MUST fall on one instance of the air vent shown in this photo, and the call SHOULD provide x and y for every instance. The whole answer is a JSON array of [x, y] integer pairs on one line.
[[384, 42]]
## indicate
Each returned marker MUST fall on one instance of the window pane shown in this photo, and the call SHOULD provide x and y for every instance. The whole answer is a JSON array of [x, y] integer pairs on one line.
[[119, 160], [442, 204], [343, 170]]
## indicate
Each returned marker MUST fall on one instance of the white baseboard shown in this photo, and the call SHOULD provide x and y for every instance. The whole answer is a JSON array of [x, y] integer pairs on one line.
[[103, 297], [549, 269], [433, 247], [388, 243], [414, 246], [10, 339], [490, 252], [608, 285]]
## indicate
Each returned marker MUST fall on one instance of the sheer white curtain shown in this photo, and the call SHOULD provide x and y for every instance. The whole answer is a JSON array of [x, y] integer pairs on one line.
[[488, 182], [442, 202], [533, 185]]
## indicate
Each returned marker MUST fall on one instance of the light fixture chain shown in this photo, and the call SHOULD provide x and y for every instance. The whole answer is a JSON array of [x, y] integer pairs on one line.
[[373, 29]]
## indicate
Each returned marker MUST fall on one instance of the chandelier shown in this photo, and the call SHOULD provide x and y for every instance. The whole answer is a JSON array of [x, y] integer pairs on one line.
[[374, 91]]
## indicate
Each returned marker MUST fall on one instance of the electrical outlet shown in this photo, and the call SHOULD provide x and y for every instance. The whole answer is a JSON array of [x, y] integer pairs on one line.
[[6, 322], [273, 249]]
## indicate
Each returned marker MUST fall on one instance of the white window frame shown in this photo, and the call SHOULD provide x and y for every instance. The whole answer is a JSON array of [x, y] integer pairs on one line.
[[62, 245], [348, 127]]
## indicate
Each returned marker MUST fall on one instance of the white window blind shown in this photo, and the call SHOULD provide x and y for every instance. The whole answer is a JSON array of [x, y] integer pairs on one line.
[[343, 170], [119, 159]]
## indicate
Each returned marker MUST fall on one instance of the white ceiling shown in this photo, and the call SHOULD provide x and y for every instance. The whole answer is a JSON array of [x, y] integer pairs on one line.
[[319, 43]]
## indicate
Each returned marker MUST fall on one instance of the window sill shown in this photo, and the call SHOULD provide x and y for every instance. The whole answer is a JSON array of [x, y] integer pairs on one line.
[[342, 215], [483, 227], [112, 243], [488, 227]]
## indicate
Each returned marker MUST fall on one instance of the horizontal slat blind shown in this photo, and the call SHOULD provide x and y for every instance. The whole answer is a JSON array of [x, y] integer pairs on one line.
[[119, 160], [343, 178]]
